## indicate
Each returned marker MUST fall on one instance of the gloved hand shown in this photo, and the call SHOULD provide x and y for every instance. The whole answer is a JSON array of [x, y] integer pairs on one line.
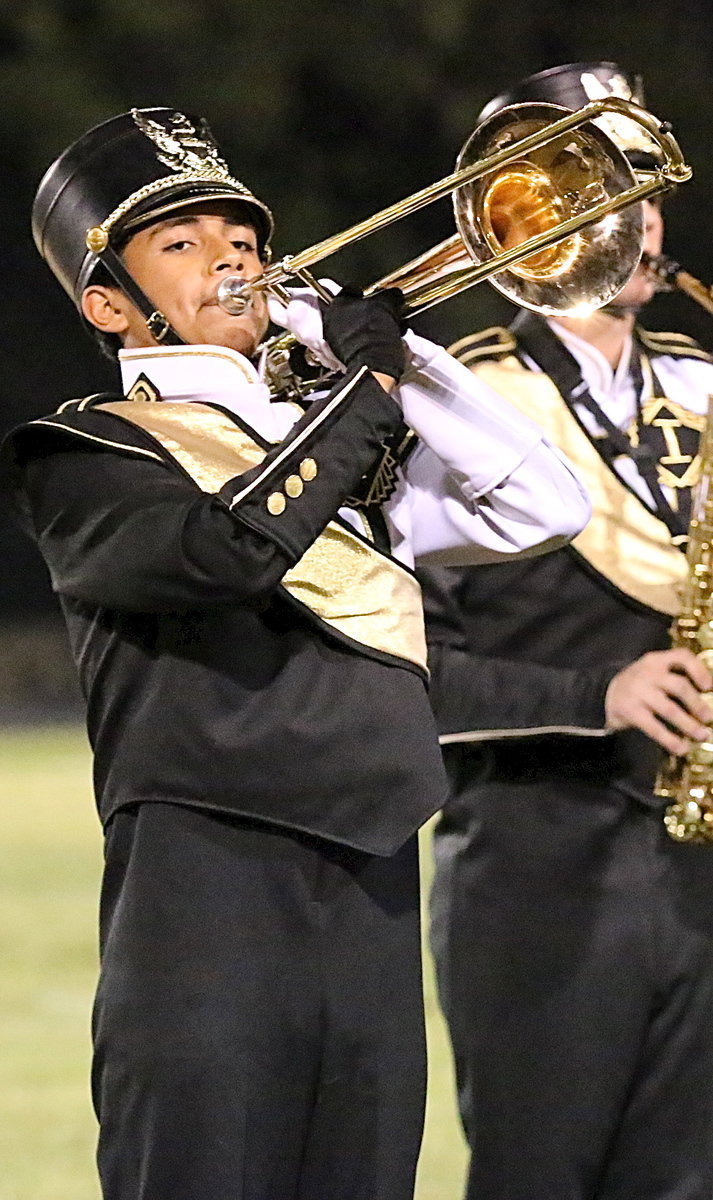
[[366, 331]]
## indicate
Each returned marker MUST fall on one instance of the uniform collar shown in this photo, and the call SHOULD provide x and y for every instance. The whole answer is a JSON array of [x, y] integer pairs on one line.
[[209, 374], [595, 367]]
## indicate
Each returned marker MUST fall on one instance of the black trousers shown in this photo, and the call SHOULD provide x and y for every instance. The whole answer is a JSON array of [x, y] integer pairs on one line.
[[259, 1022], [573, 948]]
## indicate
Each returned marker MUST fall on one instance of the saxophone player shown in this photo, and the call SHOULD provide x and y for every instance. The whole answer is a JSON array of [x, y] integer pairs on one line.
[[572, 936]]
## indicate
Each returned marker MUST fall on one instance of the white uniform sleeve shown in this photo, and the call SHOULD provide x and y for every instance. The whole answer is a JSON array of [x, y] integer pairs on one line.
[[483, 483]]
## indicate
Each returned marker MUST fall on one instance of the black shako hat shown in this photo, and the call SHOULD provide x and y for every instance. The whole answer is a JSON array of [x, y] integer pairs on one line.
[[129, 170], [574, 85]]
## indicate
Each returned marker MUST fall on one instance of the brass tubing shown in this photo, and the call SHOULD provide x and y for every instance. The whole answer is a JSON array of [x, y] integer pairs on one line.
[[480, 271], [695, 289], [671, 275], [675, 170]]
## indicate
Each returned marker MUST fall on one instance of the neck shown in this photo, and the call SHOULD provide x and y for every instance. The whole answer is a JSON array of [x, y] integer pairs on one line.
[[607, 331]]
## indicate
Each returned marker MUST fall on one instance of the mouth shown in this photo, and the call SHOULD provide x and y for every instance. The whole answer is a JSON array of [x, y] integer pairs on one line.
[[256, 304], [212, 302]]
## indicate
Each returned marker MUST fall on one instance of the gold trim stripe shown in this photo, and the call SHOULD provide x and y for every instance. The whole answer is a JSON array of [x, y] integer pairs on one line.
[[665, 343], [178, 178], [79, 405], [90, 437], [654, 404], [164, 352], [505, 341], [649, 336], [487, 735], [468, 356]]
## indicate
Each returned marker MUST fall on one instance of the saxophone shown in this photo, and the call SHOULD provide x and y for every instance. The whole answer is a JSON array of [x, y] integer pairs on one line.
[[687, 780]]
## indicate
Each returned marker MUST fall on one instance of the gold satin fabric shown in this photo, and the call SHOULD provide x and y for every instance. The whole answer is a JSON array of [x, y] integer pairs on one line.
[[345, 582], [623, 541]]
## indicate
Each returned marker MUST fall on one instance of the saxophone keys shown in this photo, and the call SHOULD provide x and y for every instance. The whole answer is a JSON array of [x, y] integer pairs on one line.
[[705, 635], [682, 820], [701, 754]]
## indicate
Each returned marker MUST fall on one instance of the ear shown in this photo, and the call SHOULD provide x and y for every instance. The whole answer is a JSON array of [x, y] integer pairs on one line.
[[105, 308]]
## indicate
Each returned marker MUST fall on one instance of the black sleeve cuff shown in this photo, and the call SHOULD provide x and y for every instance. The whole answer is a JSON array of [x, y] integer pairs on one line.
[[301, 483]]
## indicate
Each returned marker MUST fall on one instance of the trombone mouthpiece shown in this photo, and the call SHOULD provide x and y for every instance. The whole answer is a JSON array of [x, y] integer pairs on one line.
[[234, 295]]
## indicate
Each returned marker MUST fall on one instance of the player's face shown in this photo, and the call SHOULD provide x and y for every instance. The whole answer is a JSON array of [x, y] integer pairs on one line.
[[179, 263], [642, 285]]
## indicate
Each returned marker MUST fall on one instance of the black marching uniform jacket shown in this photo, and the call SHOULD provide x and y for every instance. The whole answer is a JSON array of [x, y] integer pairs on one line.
[[167, 529], [522, 654]]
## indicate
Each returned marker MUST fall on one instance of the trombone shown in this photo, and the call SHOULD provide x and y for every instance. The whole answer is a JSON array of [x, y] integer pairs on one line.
[[544, 201]]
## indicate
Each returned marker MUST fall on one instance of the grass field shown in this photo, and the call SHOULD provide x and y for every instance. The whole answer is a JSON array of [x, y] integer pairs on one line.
[[50, 858]]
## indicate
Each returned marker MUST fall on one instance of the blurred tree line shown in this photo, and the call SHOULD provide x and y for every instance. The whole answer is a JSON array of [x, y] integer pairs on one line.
[[329, 110]]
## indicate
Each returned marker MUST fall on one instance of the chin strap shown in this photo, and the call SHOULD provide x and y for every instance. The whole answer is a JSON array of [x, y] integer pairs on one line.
[[619, 311], [156, 323]]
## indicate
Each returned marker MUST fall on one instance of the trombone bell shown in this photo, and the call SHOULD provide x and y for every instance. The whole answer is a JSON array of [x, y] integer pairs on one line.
[[519, 204], [534, 195], [537, 194]]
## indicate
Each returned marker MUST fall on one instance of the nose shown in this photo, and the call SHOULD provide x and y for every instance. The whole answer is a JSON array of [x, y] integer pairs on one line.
[[226, 258], [653, 220], [230, 263]]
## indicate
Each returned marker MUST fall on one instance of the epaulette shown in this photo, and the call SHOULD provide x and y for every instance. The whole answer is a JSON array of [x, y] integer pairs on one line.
[[78, 421], [677, 345], [496, 342], [81, 405]]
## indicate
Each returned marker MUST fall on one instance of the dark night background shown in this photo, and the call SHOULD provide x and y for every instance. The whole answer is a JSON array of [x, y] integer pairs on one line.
[[329, 110]]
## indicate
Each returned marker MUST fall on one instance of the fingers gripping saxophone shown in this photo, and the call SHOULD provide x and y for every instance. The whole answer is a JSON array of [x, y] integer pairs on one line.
[[687, 780]]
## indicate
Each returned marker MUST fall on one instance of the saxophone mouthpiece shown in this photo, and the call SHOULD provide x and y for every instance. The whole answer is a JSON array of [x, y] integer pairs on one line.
[[665, 270]]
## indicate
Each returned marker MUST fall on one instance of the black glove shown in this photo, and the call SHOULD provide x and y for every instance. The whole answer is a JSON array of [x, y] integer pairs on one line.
[[366, 331]]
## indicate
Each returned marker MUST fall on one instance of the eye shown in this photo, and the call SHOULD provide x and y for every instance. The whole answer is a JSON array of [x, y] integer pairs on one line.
[[178, 244], [242, 245]]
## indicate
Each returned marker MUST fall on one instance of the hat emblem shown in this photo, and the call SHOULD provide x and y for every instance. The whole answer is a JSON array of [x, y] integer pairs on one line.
[[628, 135], [616, 85], [181, 147]]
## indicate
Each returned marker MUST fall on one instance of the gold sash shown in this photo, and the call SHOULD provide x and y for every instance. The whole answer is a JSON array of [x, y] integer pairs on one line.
[[345, 582], [623, 541]]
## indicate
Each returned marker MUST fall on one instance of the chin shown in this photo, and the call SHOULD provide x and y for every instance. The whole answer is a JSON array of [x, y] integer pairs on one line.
[[234, 337], [634, 300], [247, 346]]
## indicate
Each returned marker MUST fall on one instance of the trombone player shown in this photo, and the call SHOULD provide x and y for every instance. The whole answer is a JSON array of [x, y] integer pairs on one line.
[[236, 577], [572, 936]]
